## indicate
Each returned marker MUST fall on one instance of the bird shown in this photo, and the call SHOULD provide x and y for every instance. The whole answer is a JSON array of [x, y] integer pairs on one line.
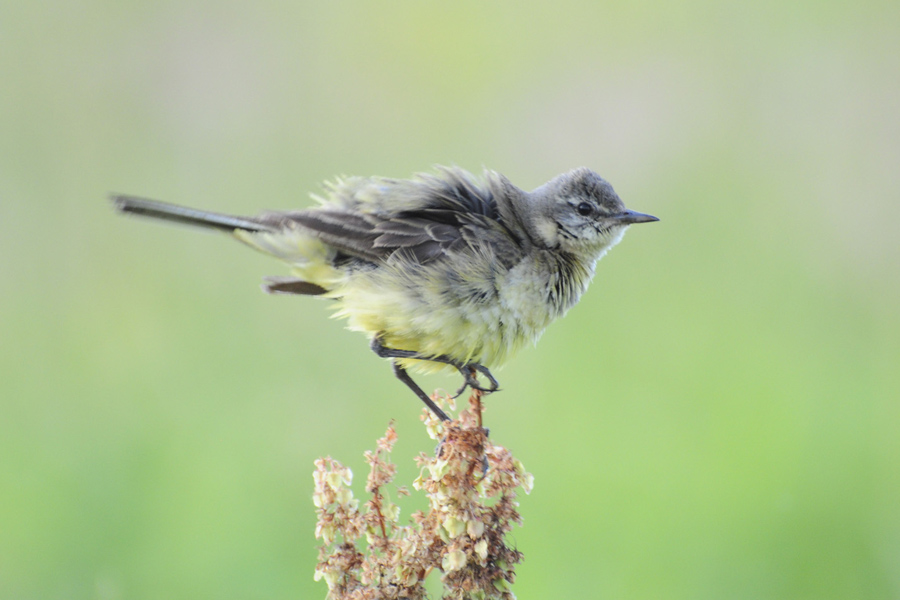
[[444, 270]]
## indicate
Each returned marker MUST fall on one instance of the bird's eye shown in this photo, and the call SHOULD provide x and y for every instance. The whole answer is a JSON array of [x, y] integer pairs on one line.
[[584, 209]]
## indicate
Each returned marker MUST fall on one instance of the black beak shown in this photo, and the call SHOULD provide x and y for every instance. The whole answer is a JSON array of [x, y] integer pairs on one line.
[[629, 217]]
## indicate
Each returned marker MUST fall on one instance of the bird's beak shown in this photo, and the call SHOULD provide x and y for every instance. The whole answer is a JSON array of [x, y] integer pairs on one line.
[[630, 217]]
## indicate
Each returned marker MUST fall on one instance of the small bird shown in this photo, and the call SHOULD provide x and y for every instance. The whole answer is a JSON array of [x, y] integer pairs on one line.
[[441, 270]]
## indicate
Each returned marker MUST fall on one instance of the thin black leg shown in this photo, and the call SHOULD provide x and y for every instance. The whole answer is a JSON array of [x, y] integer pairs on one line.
[[467, 370], [403, 376]]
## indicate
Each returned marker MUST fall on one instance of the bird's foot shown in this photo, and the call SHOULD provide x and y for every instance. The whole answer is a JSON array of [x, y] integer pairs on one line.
[[470, 372]]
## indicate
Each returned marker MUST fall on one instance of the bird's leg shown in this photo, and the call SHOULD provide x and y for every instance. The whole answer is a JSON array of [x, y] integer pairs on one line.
[[467, 370], [403, 376]]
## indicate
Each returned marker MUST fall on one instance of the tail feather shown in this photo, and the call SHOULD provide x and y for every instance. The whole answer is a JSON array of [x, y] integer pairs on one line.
[[291, 285], [182, 214]]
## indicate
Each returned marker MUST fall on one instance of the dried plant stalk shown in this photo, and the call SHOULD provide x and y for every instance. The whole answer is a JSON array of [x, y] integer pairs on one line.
[[471, 485]]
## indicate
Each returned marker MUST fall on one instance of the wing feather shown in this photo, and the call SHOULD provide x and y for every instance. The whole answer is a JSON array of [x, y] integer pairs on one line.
[[438, 215]]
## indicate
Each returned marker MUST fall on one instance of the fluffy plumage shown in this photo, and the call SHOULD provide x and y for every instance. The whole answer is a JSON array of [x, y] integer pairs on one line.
[[440, 265]]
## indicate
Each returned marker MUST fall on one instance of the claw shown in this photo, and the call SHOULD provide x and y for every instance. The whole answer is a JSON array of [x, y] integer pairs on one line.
[[470, 380], [484, 371]]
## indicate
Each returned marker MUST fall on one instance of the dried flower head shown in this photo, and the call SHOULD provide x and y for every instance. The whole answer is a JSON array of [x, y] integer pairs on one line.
[[471, 486]]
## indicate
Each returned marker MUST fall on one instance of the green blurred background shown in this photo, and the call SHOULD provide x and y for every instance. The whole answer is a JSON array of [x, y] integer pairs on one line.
[[718, 418]]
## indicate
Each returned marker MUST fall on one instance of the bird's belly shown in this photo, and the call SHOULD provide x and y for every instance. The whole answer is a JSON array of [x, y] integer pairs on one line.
[[437, 317]]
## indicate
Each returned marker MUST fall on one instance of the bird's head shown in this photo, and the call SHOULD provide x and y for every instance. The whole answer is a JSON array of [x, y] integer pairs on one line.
[[579, 213]]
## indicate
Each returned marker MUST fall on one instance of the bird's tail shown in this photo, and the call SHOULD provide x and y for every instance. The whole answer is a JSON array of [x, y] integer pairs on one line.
[[189, 216], [311, 260]]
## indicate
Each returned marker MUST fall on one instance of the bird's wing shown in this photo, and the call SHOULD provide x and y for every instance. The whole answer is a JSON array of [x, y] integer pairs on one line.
[[349, 232], [450, 213]]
